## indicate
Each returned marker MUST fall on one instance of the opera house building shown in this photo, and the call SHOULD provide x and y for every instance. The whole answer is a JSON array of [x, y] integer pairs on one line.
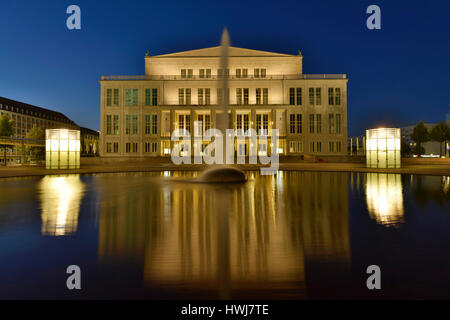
[[266, 91]]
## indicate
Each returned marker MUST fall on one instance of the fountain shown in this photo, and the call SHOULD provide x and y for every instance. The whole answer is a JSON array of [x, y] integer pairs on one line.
[[221, 172]]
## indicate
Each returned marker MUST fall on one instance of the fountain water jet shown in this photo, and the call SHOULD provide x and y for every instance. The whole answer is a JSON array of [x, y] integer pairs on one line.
[[222, 172]]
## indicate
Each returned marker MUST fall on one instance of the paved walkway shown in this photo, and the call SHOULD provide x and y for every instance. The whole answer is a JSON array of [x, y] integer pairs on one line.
[[163, 165]]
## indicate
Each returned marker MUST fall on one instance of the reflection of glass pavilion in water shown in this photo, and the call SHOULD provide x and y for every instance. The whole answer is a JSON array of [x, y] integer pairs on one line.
[[60, 203], [384, 196]]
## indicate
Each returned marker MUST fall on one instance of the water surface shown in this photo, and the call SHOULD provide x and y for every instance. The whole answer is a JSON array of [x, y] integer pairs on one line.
[[296, 235]]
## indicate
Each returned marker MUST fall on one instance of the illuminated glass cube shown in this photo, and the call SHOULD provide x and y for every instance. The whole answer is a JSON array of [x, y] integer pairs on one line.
[[62, 149], [383, 148]]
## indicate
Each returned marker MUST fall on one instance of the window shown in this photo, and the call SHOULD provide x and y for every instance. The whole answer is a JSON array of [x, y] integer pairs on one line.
[[331, 127], [208, 73], [295, 123], [338, 123], [116, 124], [128, 97], [135, 124], [181, 96], [128, 124], [292, 96], [262, 124], [311, 96], [116, 147], [201, 73], [315, 147], [127, 147], [108, 124], [221, 73], [154, 147], [299, 96], [299, 123], [200, 96], [108, 97], [108, 147], [147, 97], [242, 123], [207, 96], [330, 96], [318, 96], [183, 73], [337, 97], [188, 96], [219, 95], [151, 97], [238, 95], [318, 123], [244, 73], [154, 123], [155, 96], [338, 146], [256, 73], [147, 124], [292, 147], [292, 123], [311, 123], [331, 146], [116, 97], [258, 95], [184, 124], [135, 147], [246, 117], [147, 147], [245, 95], [189, 73], [263, 73], [135, 97], [204, 123], [238, 73], [265, 96]]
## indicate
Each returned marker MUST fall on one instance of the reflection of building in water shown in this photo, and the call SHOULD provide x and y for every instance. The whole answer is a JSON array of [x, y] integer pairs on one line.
[[60, 203], [385, 198], [228, 239]]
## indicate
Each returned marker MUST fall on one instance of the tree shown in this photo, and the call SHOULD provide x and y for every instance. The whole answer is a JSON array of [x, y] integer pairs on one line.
[[420, 135], [36, 133], [6, 130], [406, 148], [439, 133]]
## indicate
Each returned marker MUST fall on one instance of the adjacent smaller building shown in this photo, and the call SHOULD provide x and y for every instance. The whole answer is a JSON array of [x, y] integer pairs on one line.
[[89, 142]]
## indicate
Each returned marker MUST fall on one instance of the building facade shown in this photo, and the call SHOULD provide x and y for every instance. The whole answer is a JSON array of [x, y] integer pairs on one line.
[[24, 116], [266, 91]]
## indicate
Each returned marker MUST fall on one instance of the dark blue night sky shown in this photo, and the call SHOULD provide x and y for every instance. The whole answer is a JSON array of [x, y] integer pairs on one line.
[[398, 75]]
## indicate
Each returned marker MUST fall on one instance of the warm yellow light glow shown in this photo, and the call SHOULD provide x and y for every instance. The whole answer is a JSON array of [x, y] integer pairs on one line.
[[384, 198], [60, 203], [62, 149], [383, 148]]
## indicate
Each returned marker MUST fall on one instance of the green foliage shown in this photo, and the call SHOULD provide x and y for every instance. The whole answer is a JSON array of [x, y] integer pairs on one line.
[[439, 133], [406, 148], [36, 133], [420, 133], [6, 126]]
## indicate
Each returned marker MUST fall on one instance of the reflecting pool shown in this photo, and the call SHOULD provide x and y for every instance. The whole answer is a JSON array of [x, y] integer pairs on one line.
[[295, 235]]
